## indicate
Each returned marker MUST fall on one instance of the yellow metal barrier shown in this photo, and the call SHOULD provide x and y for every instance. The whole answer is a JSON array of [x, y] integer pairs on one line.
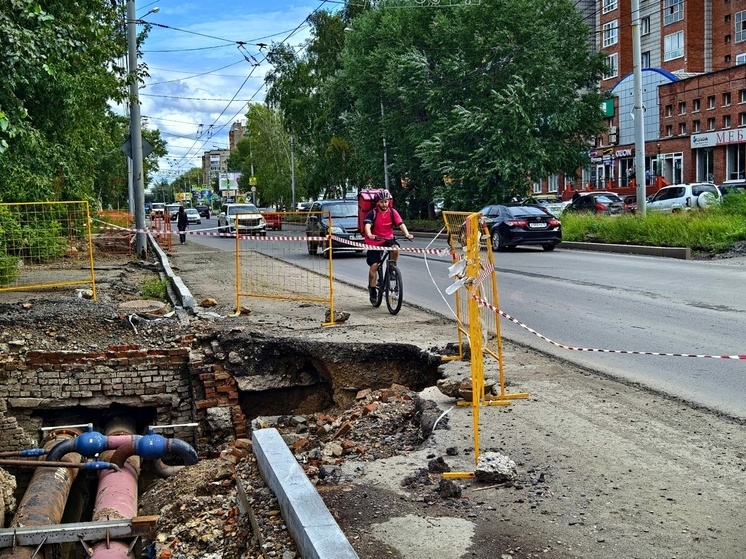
[[262, 260], [44, 245], [474, 271]]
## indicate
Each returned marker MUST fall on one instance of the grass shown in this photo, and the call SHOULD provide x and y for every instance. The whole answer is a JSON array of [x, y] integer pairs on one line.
[[713, 230], [154, 288]]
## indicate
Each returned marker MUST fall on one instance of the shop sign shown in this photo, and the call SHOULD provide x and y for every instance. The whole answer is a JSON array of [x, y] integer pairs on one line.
[[627, 152], [712, 139]]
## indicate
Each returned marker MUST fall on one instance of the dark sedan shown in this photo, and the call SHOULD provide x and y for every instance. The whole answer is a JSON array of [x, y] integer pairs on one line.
[[510, 226]]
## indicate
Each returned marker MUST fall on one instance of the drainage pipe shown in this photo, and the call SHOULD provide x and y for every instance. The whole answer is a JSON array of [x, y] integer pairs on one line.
[[116, 497], [44, 500]]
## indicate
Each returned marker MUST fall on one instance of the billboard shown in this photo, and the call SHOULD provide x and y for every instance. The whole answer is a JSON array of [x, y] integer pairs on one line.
[[228, 181]]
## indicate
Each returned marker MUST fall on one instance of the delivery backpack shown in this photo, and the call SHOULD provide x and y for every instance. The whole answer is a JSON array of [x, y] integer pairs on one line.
[[366, 201]]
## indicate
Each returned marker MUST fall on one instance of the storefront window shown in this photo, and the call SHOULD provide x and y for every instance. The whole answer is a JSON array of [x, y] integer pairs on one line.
[[705, 166], [735, 161]]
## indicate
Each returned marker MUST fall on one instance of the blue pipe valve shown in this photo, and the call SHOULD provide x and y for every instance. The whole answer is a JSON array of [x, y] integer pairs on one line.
[[90, 443], [151, 446]]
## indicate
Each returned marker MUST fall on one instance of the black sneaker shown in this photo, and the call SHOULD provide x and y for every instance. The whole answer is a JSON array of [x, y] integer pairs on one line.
[[373, 294]]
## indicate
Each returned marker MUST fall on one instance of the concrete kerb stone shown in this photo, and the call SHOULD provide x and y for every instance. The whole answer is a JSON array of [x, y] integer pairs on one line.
[[182, 294], [683, 253], [312, 526]]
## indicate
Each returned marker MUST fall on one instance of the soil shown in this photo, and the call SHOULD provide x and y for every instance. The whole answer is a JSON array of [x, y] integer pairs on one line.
[[604, 469]]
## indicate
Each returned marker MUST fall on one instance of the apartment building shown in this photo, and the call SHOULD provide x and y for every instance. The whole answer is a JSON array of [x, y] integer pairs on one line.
[[214, 162], [693, 59]]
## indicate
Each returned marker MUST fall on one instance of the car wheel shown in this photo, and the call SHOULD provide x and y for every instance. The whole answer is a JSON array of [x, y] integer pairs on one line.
[[548, 247], [498, 243]]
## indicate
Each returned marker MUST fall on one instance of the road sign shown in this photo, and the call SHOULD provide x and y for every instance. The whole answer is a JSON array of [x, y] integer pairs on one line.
[[147, 147]]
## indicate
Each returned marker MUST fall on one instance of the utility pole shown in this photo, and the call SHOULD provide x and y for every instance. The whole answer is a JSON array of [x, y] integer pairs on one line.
[[638, 112], [136, 133], [385, 153], [292, 169]]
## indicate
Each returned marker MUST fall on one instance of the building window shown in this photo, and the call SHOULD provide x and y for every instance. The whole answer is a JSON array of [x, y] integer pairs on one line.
[[682, 108], [612, 66], [673, 11], [610, 6], [611, 35], [711, 102], [742, 96], [742, 119], [669, 110], [727, 57], [537, 188], [645, 26], [727, 39], [682, 128], [711, 124], [669, 130], [726, 121], [696, 126], [726, 99], [741, 58], [552, 183], [673, 46], [740, 26], [645, 59], [696, 106]]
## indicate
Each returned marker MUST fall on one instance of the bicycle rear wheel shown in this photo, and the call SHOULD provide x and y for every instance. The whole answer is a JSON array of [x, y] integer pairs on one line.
[[394, 289]]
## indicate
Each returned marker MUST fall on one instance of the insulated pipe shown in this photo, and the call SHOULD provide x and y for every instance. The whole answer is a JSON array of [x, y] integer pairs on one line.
[[116, 498], [44, 500], [97, 465], [154, 446]]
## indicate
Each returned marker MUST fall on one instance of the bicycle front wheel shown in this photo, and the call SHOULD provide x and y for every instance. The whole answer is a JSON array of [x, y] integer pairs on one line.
[[394, 289]]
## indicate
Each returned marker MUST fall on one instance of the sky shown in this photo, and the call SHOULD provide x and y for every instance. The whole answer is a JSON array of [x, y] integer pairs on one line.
[[205, 61]]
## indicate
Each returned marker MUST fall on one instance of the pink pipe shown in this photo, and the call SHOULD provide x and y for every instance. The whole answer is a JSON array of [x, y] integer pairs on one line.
[[116, 498]]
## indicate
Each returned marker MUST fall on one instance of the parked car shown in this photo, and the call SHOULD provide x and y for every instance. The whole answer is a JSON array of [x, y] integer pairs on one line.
[[172, 210], [733, 187], [684, 197], [204, 210], [193, 215], [156, 210], [630, 203], [597, 202], [250, 221], [553, 205], [510, 226], [273, 219], [343, 215], [304, 206]]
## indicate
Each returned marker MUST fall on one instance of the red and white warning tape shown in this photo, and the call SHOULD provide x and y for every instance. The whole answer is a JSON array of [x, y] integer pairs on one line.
[[486, 304], [435, 251]]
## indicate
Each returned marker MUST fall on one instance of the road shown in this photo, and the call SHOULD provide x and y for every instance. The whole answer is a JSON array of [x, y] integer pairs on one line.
[[603, 301]]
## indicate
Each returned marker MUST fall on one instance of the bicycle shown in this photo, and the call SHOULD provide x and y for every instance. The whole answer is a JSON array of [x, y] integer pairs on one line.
[[389, 284]]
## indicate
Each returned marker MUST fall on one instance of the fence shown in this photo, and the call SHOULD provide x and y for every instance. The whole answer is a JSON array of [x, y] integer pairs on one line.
[[474, 272], [44, 245], [160, 228], [112, 230], [261, 260]]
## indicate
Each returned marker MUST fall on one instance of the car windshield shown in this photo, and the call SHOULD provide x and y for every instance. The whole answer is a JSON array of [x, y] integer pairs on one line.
[[341, 210], [242, 209], [191, 211]]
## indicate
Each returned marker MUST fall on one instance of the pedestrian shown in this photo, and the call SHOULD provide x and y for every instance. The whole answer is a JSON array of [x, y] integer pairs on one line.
[[181, 224], [648, 176], [575, 196]]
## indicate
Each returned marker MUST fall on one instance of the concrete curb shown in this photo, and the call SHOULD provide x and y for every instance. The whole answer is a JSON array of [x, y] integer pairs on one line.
[[314, 530], [683, 253]]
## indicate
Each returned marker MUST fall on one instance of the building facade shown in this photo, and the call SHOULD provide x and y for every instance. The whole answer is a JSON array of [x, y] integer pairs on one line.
[[693, 62]]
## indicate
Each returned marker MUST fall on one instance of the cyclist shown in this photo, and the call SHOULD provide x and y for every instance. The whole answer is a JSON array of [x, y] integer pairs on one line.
[[379, 231]]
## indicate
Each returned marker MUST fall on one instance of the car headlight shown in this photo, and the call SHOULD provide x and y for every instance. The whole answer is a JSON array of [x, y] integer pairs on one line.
[[261, 221], [337, 230]]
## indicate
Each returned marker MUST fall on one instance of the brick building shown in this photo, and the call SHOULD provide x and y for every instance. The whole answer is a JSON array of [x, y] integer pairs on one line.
[[693, 59]]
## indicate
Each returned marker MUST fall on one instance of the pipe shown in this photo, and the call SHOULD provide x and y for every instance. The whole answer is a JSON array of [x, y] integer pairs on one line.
[[154, 446], [116, 498], [164, 470], [97, 465], [44, 500]]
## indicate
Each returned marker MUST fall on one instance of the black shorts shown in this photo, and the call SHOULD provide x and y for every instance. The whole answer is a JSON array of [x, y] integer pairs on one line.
[[375, 256]]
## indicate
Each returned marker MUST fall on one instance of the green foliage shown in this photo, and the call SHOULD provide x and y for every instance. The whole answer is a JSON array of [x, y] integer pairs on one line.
[[154, 288], [8, 269], [712, 230]]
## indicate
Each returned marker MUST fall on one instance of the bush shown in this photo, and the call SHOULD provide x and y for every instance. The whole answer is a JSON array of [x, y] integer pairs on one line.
[[8, 269], [154, 288]]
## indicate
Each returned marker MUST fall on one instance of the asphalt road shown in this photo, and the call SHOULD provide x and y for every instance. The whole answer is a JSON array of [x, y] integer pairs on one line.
[[601, 301]]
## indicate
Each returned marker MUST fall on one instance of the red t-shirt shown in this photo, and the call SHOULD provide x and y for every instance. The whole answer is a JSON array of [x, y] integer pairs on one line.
[[383, 224]]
